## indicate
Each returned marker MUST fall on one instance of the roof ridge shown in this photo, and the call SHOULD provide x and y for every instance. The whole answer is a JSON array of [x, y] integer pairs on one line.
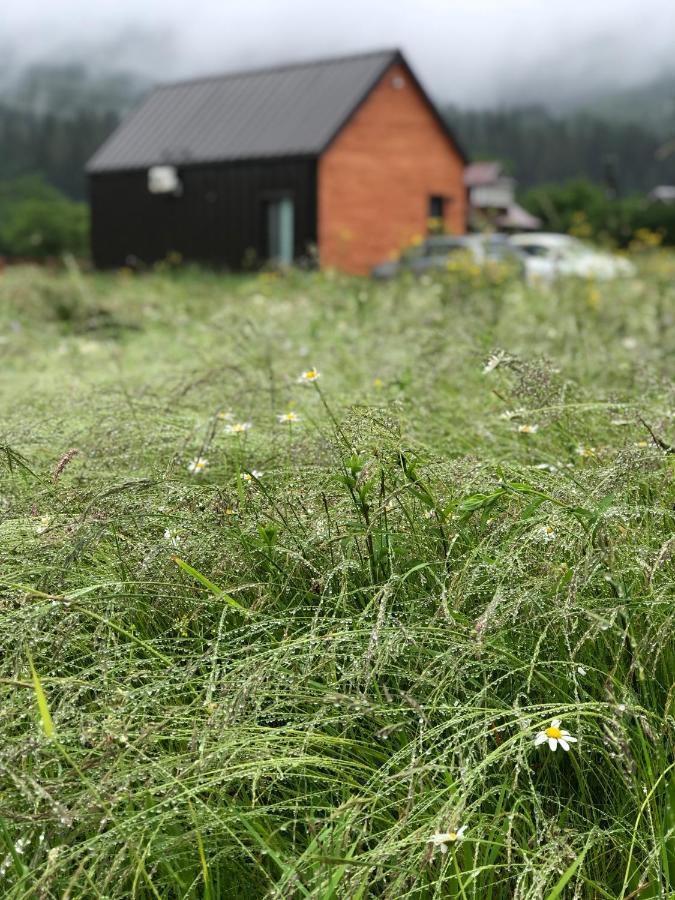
[[281, 67]]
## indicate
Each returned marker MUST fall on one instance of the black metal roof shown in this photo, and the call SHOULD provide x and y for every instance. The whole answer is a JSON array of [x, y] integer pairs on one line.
[[287, 111]]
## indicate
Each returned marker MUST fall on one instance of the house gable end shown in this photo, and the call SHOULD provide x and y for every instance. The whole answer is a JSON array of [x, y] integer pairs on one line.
[[398, 59]]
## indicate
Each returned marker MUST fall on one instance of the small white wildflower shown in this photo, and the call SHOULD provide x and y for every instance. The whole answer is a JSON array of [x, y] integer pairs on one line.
[[225, 416], [250, 477], [509, 414], [528, 429], [546, 533], [238, 427], [585, 451], [289, 417], [629, 343], [621, 707], [171, 536], [21, 845], [494, 360], [198, 465], [442, 838], [554, 735], [546, 467], [308, 376]]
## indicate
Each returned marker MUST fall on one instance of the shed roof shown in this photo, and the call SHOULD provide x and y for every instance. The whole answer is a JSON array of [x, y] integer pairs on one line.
[[293, 110], [481, 173]]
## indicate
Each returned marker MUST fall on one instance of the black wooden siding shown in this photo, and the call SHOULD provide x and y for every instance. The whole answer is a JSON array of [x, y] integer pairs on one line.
[[219, 219]]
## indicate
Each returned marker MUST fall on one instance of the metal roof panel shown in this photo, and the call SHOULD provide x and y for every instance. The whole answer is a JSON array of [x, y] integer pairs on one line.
[[286, 111]]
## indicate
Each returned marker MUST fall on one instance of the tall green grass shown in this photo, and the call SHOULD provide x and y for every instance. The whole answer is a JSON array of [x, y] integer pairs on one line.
[[284, 686]]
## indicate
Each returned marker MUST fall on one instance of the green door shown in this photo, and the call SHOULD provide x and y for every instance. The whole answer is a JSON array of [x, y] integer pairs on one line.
[[280, 231]]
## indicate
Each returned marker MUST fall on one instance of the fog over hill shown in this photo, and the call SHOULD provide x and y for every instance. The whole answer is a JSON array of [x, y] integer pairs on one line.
[[471, 53], [555, 89]]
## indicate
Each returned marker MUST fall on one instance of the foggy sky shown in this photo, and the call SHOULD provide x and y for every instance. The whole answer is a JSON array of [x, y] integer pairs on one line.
[[471, 52]]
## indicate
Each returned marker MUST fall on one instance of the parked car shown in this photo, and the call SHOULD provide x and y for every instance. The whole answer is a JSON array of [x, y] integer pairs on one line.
[[549, 256], [435, 252]]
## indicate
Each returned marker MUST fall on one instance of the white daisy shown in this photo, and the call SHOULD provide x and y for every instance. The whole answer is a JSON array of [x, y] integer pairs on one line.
[[198, 465], [442, 838], [308, 376], [238, 427], [585, 451], [289, 417], [554, 735], [528, 429], [250, 477], [546, 533]]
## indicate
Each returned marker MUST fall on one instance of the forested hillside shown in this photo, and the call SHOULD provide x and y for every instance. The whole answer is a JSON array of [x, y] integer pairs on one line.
[[540, 147], [52, 118]]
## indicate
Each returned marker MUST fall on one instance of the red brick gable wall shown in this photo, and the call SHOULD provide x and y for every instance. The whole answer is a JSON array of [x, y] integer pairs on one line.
[[375, 179]]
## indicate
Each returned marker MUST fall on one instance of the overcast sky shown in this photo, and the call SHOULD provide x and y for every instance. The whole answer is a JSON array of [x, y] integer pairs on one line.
[[473, 52]]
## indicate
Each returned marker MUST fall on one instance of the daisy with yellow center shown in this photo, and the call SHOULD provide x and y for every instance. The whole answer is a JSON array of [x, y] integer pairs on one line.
[[585, 451], [528, 429], [250, 477], [238, 427], [308, 376], [198, 465], [547, 533], [225, 416], [555, 735], [442, 838], [289, 417]]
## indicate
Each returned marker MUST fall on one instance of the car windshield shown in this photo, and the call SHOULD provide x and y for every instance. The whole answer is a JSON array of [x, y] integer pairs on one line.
[[562, 246], [535, 249], [442, 247]]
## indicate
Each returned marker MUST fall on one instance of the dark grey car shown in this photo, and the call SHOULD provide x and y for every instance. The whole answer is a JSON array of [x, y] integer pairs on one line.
[[434, 253]]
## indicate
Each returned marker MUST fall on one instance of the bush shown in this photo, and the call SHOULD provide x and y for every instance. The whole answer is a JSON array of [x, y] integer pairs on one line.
[[586, 210], [37, 220]]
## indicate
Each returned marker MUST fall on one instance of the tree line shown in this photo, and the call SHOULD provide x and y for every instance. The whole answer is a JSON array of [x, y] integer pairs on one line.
[[538, 147], [580, 172]]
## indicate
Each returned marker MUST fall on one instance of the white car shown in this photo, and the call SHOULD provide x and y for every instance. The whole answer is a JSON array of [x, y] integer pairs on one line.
[[550, 256]]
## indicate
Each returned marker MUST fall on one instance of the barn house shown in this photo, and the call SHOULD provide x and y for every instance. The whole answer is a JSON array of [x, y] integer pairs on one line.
[[345, 158]]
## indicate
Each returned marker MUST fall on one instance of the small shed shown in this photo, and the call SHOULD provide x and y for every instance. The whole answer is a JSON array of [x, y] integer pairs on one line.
[[492, 199], [344, 158]]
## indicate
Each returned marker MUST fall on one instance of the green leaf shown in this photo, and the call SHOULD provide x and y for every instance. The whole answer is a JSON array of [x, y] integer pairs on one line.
[[209, 585], [47, 723], [568, 873]]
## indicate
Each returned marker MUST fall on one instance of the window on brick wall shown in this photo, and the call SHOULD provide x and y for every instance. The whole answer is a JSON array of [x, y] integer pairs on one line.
[[436, 214], [436, 207]]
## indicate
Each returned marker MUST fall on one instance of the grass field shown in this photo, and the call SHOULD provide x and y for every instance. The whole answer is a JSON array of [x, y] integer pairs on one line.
[[317, 665]]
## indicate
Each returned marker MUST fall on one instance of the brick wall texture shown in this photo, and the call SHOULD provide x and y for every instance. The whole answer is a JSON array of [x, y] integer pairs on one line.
[[375, 180]]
